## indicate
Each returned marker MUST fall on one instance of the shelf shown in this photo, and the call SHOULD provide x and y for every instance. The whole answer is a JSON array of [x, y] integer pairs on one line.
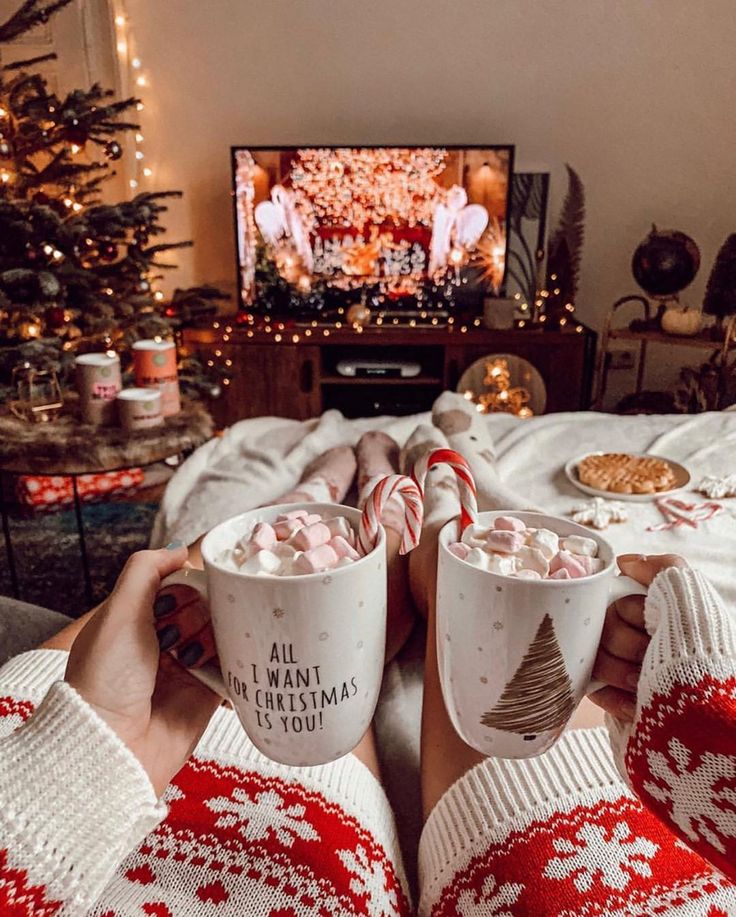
[[659, 337], [380, 380]]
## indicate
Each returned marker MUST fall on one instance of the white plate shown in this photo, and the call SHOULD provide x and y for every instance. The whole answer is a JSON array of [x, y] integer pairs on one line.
[[682, 479]]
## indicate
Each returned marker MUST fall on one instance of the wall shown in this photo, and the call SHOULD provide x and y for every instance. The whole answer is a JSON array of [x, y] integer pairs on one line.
[[638, 95]]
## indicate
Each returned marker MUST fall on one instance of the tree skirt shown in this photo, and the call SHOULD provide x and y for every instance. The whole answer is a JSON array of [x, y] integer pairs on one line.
[[47, 552], [68, 445]]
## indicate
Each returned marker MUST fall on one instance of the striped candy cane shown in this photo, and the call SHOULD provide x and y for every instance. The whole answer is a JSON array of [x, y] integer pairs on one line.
[[678, 513], [466, 484], [383, 491]]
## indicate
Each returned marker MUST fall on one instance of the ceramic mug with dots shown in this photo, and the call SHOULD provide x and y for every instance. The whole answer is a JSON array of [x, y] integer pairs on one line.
[[300, 657], [516, 654]]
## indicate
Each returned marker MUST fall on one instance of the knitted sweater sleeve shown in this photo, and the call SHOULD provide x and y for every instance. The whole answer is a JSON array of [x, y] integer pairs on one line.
[[679, 755], [74, 799]]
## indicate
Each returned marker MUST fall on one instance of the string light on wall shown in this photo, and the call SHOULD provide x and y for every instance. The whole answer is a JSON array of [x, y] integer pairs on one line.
[[132, 79]]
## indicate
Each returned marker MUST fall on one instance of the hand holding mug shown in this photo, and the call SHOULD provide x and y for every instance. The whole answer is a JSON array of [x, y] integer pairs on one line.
[[624, 640], [154, 705]]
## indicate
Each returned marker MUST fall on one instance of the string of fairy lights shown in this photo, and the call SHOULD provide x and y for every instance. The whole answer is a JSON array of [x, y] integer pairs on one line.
[[133, 80]]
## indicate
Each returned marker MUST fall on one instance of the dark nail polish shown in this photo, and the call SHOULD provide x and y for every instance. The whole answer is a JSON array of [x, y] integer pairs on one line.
[[168, 636], [190, 653], [174, 545], [164, 605]]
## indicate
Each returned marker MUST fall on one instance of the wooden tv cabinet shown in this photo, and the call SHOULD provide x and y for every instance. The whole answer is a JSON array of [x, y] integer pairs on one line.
[[297, 376]]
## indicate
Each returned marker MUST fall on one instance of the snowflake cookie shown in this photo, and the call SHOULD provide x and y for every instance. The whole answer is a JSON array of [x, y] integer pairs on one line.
[[717, 488], [599, 513]]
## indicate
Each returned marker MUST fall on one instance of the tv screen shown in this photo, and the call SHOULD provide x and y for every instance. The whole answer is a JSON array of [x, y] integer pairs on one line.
[[401, 229]]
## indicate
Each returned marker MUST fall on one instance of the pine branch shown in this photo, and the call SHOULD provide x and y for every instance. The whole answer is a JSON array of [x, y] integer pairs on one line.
[[30, 14], [30, 62]]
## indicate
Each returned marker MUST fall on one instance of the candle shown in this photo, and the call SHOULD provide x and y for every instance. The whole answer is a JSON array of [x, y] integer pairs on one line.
[[98, 382], [139, 408], [154, 362]]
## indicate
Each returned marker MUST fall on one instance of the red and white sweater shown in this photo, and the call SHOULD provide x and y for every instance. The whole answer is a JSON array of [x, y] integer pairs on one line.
[[236, 834]]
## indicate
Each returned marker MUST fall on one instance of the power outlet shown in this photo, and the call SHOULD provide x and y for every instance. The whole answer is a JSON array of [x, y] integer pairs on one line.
[[622, 359]]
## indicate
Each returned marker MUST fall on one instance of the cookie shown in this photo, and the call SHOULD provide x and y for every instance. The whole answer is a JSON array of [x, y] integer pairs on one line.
[[621, 473]]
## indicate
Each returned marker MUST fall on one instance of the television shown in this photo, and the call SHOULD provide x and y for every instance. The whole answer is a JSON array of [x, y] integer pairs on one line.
[[406, 231]]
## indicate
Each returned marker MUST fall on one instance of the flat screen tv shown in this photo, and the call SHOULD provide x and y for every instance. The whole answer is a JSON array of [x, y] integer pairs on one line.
[[404, 230]]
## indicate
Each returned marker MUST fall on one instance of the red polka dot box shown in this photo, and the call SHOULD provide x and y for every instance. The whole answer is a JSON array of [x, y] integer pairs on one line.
[[53, 492]]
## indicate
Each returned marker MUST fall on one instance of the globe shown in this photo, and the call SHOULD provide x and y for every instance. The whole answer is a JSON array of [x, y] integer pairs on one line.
[[665, 262]]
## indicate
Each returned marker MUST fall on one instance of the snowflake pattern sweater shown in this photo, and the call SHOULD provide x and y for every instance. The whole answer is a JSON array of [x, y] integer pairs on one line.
[[236, 834]]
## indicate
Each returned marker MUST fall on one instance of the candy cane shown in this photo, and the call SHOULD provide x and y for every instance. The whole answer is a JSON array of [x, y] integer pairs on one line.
[[678, 513], [384, 489], [466, 484]]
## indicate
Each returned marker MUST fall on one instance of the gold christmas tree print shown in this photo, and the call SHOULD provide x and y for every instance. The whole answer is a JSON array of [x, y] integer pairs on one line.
[[539, 696]]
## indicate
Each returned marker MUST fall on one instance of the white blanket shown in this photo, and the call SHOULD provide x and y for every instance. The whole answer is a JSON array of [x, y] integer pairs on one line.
[[257, 460]]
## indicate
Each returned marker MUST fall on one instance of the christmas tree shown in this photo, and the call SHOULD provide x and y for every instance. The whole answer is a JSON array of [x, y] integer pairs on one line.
[[73, 268], [720, 294], [539, 696]]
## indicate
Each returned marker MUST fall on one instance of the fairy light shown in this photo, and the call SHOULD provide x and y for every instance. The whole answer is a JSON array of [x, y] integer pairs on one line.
[[131, 72]]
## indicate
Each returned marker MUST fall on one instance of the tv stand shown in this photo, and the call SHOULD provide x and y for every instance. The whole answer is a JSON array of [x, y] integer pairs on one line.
[[296, 376]]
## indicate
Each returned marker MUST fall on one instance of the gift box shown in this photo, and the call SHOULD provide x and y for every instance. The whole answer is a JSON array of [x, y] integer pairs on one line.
[[51, 492]]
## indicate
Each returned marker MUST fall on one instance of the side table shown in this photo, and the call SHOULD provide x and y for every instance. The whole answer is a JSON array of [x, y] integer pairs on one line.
[[67, 448]]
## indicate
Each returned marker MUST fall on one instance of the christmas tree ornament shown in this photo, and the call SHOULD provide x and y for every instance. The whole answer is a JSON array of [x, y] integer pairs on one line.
[[113, 150], [359, 314], [55, 317], [107, 251]]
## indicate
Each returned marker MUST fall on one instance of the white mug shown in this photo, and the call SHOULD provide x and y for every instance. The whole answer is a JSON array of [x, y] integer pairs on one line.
[[301, 657], [516, 655]]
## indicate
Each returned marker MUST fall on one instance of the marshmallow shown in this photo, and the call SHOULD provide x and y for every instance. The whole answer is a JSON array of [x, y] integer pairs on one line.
[[560, 574], [312, 518], [505, 564], [474, 535], [478, 558], [310, 536], [578, 544], [343, 548], [509, 524], [263, 538], [570, 562], [316, 560], [294, 514], [504, 541], [527, 574], [339, 525], [287, 527], [459, 549], [344, 562], [262, 563], [544, 540], [532, 559]]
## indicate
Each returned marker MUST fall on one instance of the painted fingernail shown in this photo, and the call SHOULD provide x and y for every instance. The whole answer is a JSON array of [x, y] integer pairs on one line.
[[190, 653], [168, 636], [174, 544], [164, 605]]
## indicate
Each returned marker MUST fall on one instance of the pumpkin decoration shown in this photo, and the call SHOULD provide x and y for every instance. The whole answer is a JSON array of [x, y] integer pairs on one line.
[[686, 322]]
